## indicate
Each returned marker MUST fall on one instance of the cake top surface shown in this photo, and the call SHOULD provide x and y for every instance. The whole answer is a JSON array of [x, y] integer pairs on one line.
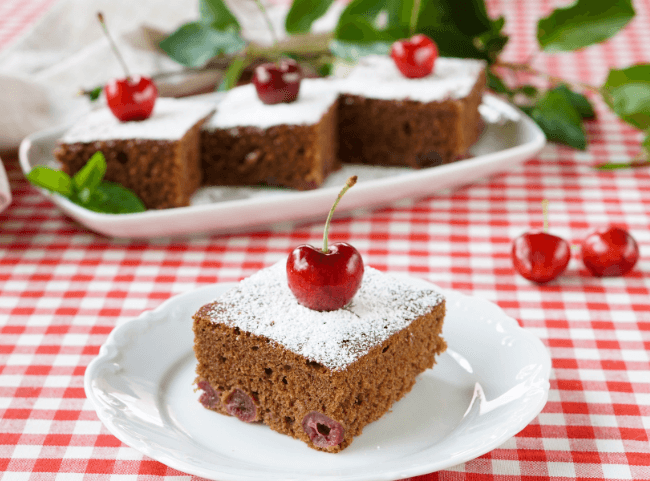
[[242, 108], [263, 305], [376, 76], [170, 120]]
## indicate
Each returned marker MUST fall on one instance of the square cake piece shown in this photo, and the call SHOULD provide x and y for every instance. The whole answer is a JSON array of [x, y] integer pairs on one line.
[[157, 158], [317, 376], [289, 144], [388, 119]]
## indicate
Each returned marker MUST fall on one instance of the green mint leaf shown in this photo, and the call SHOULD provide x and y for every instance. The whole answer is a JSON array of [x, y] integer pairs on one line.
[[217, 14], [584, 23], [91, 174], [50, 179], [111, 198], [529, 91], [195, 43], [303, 13], [232, 75], [496, 84], [559, 120], [627, 92], [579, 102], [352, 51]]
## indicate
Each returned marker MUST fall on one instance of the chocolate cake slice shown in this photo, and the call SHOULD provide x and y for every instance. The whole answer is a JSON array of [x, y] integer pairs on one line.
[[317, 376], [288, 144], [157, 158], [388, 119]]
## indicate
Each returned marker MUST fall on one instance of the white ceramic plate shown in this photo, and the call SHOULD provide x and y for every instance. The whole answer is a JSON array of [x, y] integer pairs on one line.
[[233, 209], [5, 188], [489, 384]]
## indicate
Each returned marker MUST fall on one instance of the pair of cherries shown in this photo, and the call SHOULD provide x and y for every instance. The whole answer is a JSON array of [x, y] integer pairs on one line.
[[541, 257]]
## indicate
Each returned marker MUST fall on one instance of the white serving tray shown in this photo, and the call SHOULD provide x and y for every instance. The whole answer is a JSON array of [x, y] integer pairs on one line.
[[237, 209]]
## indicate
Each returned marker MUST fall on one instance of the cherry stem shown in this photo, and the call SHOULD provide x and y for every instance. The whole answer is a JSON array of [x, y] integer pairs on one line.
[[351, 181], [415, 13], [268, 21], [545, 215], [117, 53]]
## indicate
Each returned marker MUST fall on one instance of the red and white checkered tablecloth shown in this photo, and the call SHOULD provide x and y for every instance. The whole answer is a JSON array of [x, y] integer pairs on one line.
[[63, 289]]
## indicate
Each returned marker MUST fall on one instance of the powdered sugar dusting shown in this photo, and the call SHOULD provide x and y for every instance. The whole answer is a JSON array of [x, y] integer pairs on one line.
[[376, 76], [263, 305], [171, 119], [242, 108]]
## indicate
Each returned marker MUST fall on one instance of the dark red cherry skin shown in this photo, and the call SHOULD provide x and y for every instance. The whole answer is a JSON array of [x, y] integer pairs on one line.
[[415, 56], [324, 282], [277, 83], [609, 251], [131, 98], [539, 256], [210, 398], [322, 430], [241, 405]]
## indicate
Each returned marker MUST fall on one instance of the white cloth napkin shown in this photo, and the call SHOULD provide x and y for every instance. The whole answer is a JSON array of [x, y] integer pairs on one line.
[[66, 51]]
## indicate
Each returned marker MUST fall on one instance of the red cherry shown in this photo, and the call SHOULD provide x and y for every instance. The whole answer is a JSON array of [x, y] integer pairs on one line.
[[277, 83], [131, 98], [324, 281], [414, 57], [539, 256], [327, 279], [610, 251]]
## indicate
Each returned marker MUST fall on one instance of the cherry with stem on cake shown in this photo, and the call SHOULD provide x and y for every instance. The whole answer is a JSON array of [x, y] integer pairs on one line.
[[414, 56], [325, 279], [278, 83], [132, 97], [609, 251], [540, 256]]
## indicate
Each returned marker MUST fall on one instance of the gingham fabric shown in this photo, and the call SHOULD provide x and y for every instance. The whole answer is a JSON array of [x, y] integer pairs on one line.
[[63, 289]]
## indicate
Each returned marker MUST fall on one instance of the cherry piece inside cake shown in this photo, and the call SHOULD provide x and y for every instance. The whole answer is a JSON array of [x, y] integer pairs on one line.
[[157, 158], [317, 376], [388, 119], [248, 142]]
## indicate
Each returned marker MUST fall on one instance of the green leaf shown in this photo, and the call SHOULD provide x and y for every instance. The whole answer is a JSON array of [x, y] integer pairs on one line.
[[91, 174], [559, 120], [351, 51], [452, 43], [216, 14], [95, 93], [462, 28], [622, 165], [195, 43], [232, 75], [627, 92], [496, 84], [579, 102], [111, 198], [360, 30], [303, 13], [584, 23], [50, 179]]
